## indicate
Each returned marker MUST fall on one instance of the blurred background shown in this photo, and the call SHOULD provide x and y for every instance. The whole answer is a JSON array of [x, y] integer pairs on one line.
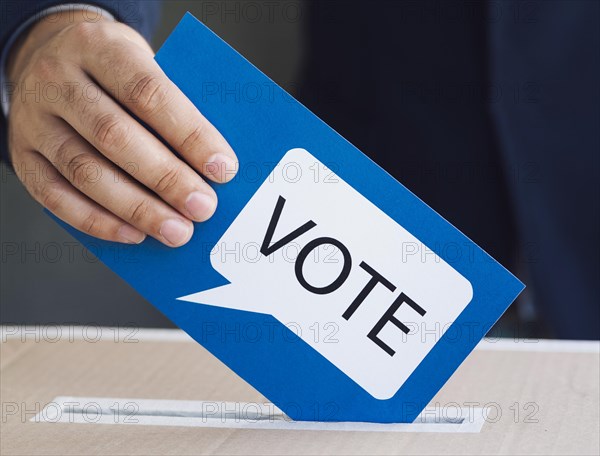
[[486, 110]]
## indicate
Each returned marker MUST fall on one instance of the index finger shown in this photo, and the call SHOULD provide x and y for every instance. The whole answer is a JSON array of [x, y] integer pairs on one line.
[[132, 76]]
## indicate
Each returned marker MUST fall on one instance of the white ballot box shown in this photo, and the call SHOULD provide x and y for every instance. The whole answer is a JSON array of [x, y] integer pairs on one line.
[[103, 391]]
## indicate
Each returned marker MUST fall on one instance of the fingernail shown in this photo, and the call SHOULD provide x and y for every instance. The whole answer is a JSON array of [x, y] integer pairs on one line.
[[175, 232], [222, 167], [131, 235], [200, 206]]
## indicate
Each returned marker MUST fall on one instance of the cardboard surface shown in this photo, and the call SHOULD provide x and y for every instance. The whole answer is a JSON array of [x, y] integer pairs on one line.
[[542, 398]]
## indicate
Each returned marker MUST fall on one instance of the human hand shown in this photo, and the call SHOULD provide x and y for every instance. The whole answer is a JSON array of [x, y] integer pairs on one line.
[[95, 166]]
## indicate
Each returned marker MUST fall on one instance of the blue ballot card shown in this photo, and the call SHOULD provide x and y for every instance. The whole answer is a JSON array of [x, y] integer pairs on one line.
[[320, 280]]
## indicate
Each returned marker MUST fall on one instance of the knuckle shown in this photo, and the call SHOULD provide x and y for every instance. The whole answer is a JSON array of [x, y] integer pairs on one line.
[[98, 38], [46, 68], [62, 151], [146, 91], [92, 224], [194, 138], [110, 132], [17, 139], [139, 211], [82, 170], [112, 53], [81, 106], [50, 197], [168, 179], [86, 32]]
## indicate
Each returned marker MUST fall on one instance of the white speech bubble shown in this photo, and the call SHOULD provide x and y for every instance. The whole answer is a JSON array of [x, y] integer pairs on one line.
[[310, 197]]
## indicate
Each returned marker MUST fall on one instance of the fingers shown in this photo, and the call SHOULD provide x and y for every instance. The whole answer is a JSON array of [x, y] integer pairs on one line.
[[100, 180], [122, 140], [53, 191], [146, 91], [103, 135]]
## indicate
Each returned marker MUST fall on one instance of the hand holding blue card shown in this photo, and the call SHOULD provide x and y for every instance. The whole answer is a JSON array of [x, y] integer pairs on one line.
[[320, 280]]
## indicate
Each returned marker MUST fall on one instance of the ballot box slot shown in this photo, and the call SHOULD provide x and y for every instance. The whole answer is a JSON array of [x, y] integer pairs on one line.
[[242, 415], [167, 413]]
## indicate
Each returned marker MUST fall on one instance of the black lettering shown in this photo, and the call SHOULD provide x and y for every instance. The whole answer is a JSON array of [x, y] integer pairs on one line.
[[375, 279], [343, 274], [266, 248], [389, 316]]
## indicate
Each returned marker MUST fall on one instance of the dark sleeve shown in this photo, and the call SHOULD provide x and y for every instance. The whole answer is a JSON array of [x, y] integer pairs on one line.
[[142, 15]]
